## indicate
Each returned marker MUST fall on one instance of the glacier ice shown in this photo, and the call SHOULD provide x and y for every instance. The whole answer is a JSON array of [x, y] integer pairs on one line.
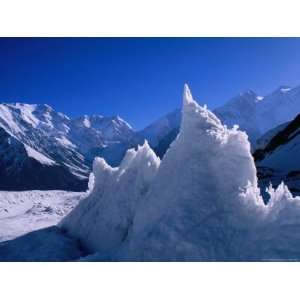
[[103, 220], [201, 202]]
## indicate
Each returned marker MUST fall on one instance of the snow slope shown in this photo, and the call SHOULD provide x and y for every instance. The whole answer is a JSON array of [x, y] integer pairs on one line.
[[282, 151], [264, 140], [31, 139], [202, 203], [39, 156], [22, 168], [279, 160]]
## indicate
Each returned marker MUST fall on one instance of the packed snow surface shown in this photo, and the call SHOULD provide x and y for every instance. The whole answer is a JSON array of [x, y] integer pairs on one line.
[[23, 212], [201, 202]]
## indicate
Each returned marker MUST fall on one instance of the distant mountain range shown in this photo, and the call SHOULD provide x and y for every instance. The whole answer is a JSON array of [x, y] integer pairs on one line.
[[44, 149]]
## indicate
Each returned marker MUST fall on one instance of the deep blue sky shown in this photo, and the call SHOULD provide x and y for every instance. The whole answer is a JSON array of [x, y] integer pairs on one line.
[[141, 79]]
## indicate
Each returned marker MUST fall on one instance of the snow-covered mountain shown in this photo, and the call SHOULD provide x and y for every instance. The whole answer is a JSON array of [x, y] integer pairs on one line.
[[279, 160], [256, 114], [200, 202], [60, 150], [253, 113]]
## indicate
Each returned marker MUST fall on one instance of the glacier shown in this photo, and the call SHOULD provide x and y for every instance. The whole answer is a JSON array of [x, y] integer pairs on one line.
[[103, 220], [24, 212], [201, 202]]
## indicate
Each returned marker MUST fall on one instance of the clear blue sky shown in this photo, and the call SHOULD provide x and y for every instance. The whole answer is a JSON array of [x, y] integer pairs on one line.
[[141, 79]]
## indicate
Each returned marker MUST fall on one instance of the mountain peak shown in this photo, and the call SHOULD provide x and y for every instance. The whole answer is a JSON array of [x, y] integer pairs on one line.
[[121, 122], [248, 96], [86, 122], [46, 107], [248, 93]]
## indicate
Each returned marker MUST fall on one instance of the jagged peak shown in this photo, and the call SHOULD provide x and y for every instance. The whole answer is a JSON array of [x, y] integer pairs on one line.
[[192, 111], [33, 106], [145, 146], [187, 95], [100, 165], [121, 121], [143, 153], [47, 106], [19, 105]]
